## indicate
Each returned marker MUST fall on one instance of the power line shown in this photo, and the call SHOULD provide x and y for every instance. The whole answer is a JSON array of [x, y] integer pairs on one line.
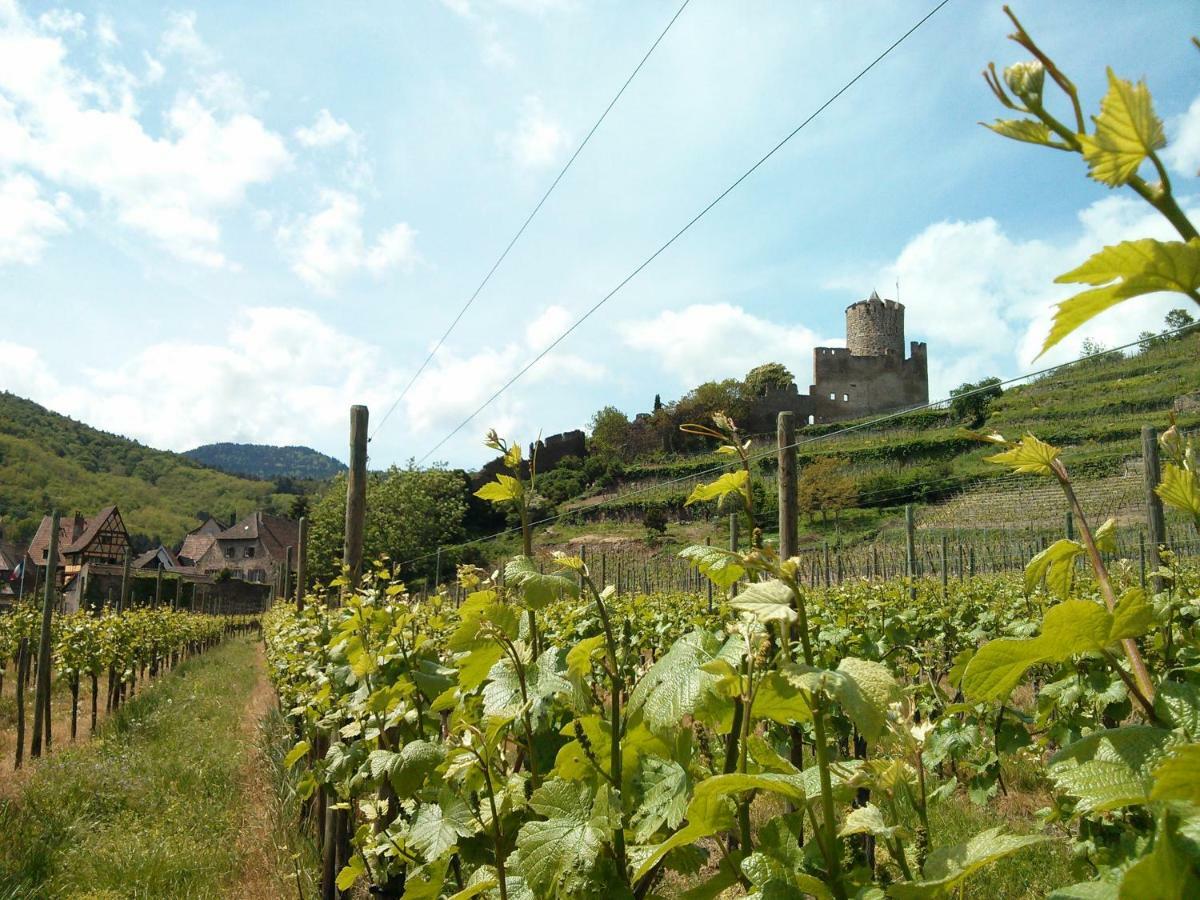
[[754, 457], [678, 234], [520, 231]]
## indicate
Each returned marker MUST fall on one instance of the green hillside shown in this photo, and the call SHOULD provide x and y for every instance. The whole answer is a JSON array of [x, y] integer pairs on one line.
[[49, 460], [1094, 409], [267, 461]]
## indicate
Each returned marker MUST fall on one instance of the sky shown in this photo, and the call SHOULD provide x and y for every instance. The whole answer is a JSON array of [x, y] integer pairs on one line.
[[231, 222]]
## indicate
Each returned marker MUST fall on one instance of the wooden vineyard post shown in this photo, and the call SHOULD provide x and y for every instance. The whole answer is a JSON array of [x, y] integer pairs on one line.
[[335, 851], [1070, 526], [1142, 556], [785, 434], [945, 569], [708, 542], [41, 697], [178, 601], [828, 577], [287, 574], [910, 552], [22, 676], [301, 563], [123, 602], [356, 495], [733, 545], [158, 586], [1154, 508]]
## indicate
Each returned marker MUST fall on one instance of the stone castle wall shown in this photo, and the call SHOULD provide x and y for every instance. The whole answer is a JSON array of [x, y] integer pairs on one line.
[[875, 327]]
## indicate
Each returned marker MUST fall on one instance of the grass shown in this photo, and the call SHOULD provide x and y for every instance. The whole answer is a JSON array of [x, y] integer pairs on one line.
[[152, 806]]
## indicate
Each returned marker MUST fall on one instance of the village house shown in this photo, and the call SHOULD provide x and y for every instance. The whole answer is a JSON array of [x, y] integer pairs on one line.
[[254, 549], [101, 538]]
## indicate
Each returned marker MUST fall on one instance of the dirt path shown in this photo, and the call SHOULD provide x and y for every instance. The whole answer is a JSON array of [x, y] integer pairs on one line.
[[264, 871]]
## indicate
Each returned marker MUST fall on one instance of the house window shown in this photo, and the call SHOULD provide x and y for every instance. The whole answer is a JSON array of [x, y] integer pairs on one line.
[[249, 553], [229, 552]]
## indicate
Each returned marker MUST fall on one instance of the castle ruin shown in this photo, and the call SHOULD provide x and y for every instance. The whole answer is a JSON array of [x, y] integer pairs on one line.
[[869, 375]]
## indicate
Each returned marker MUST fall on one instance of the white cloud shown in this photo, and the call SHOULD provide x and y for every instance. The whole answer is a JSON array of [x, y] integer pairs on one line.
[[26, 220], [330, 244], [83, 135], [457, 383], [279, 376], [709, 341], [62, 21], [181, 39], [1183, 149], [325, 131], [538, 139], [106, 32], [984, 299]]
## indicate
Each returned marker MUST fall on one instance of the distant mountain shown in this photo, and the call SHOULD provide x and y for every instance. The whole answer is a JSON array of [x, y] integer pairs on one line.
[[48, 461], [267, 461]]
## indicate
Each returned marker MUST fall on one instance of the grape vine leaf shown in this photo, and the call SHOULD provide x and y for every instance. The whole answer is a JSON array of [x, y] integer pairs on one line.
[[504, 488], [664, 785], [1027, 456], [1027, 130], [721, 567], [1111, 769], [558, 853], [1165, 872], [677, 686], [538, 589], [947, 867], [766, 601], [729, 483], [1123, 271], [438, 826], [1127, 131], [1178, 777]]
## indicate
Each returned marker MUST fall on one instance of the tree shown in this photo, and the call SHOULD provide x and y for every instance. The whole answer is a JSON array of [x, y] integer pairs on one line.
[[1179, 318], [768, 376], [970, 401], [611, 434], [1147, 340], [825, 486], [410, 512], [299, 508]]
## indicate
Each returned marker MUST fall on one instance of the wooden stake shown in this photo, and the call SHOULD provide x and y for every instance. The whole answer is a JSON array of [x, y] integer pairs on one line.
[[1154, 508], [785, 435], [301, 564], [41, 702]]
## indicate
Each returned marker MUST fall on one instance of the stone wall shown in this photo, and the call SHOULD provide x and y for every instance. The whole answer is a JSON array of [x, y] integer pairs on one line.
[[875, 327], [848, 386]]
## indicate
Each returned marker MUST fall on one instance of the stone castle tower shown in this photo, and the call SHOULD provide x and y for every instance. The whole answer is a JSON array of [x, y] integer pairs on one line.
[[870, 375]]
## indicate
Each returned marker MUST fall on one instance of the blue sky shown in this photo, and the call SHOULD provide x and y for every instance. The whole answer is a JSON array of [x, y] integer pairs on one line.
[[231, 222]]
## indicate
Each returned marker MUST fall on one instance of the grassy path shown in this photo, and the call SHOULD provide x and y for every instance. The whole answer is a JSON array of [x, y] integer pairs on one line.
[[172, 799]]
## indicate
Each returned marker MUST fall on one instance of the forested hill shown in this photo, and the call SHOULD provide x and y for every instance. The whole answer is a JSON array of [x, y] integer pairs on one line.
[[267, 461], [49, 460]]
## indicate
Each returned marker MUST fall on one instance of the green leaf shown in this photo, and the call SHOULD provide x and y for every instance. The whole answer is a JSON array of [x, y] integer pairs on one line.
[[1085, 890], [416, 761], [1127, 131], [1134, 268], [705, 817], [438, 826], [558, 853], [677, 686], [664, 785], [1027, 130], [1111, 769], [579, 657], [1133, 616], [1177, 703], [766, 601], [1178, 777], [729, 483], [947, 867], [1180, 489], [868, 820], [473, 667], [425, 882], [503, 489], [1056, 564], [722, 567], [538, 589], [1070, 628], [1165, 873], [354, 870], [790, 787], [295, 755], [866, 701], [1029, 455], [780, 701]]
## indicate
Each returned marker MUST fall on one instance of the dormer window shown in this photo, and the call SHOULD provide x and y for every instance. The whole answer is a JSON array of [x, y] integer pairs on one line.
[[249, 553], [230, 552]]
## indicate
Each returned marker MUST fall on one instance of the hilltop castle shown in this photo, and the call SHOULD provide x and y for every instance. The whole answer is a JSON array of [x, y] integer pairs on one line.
[[869, 375]]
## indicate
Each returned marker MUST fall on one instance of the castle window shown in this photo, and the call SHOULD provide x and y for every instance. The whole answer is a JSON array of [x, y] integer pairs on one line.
[[812, 420], [832, 396], [845, 397]]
